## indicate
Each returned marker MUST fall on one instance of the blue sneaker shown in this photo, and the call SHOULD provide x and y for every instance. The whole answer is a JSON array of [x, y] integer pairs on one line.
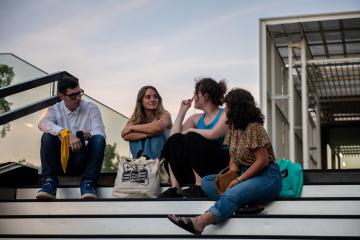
[[87, 189], [48, 189]]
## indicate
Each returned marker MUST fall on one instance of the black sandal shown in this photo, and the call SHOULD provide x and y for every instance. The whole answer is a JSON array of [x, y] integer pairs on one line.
[[184, 222], [249, 209]]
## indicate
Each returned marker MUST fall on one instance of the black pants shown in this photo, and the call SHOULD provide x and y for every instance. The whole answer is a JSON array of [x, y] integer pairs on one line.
[[185, 152]]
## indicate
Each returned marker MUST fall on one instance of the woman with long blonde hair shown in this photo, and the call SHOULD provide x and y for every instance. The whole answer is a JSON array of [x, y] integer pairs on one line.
[[148, 128]]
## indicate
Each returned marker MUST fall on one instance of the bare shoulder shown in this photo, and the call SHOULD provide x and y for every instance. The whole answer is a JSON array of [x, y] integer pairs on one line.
[[165, 114], [131, 121], [195, 117], [166, 117]]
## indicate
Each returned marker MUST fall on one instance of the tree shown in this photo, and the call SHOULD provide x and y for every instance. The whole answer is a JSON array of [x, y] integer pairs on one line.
[[111, 158], [6, 77]]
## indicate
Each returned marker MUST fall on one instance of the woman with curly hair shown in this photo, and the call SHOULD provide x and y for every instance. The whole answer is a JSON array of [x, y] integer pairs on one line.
[[148, 127], [190, 155], [251, 156]]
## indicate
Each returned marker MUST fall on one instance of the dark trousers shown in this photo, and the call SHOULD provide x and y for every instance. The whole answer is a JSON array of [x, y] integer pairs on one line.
[[185, 152], [86, 162]]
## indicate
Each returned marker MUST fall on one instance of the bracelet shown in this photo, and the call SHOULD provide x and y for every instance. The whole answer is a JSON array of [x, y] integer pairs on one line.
[[238, 179]]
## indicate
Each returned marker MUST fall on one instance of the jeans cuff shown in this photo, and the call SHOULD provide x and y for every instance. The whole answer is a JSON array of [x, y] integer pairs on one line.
[[216, 213]]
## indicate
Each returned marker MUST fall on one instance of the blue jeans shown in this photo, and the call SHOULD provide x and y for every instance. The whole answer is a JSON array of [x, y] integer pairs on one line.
[[150, 147], [86, 162], [264, 187]]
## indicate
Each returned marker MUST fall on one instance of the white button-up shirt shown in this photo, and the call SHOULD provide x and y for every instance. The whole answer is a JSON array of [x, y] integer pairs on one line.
[[87, 117]]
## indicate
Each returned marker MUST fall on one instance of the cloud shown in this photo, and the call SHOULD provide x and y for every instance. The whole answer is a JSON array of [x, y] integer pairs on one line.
[[112, 71]]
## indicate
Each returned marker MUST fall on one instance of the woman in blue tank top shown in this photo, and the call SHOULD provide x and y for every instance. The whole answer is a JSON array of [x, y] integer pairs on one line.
[[190, 154]]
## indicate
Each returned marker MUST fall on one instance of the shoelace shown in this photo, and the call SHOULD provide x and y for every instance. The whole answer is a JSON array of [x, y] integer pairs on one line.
[[48, 185], [89, 185]]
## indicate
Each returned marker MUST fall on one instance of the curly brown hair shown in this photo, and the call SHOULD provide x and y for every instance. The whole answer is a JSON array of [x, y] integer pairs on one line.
[[241, 109], [215, 90]]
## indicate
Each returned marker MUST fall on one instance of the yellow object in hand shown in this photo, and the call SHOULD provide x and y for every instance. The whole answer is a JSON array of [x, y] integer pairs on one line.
[[65, 152]]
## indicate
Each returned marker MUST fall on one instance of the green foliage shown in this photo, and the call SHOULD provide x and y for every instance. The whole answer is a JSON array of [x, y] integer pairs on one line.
[[4, 128], [111, 158], [6, 76]]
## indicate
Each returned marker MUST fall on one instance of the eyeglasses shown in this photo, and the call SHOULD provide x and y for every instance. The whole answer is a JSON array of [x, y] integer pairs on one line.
[[74, 95]]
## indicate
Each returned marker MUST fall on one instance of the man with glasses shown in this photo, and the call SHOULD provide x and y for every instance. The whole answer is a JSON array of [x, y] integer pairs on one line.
[[73, 142]]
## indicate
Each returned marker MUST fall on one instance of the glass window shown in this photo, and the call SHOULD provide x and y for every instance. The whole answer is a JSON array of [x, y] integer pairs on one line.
[[20, 139], [24, 71], [317, 50], [115, 146], [311, 26], [314, 38], [331, 25]]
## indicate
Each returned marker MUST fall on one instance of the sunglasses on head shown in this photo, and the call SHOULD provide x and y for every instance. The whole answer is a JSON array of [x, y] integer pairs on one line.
[[74, 95]]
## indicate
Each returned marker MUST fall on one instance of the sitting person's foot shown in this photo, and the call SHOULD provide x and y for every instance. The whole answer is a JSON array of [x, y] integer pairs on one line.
[[171, 192], [193, 191], [48, 189], [87, 189], [250, 209], [185, 223]]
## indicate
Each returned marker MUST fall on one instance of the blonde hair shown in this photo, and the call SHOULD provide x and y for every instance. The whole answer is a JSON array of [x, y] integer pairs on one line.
[[138, 117]]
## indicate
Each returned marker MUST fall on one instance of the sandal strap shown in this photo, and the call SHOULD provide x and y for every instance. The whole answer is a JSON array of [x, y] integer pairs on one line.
[[184, 222]]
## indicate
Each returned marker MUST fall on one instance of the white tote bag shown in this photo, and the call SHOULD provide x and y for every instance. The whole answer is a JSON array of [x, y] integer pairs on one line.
[[137, 178]]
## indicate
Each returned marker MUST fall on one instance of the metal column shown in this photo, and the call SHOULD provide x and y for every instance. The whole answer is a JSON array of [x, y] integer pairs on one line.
[[304, 106], [263, 72], [318, 135], [291, 105], [273, 100]]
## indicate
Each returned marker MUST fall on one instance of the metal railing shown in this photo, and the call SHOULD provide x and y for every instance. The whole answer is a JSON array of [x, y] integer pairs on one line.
[[35, 106]]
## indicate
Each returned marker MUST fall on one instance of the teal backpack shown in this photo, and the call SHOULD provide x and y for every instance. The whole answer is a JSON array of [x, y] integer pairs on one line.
[[292, 179]]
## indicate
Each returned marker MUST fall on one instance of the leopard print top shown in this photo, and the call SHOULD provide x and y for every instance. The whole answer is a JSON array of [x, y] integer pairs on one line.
[[243, 143]]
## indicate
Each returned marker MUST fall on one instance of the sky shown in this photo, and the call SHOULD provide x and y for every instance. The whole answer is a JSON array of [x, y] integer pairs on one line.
[[115, 47]]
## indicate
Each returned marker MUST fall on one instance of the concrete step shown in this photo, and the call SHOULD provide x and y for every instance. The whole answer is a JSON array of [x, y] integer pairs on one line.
[[318, 191], [187, 237], [153, 207], [329, 208], [161, 227]]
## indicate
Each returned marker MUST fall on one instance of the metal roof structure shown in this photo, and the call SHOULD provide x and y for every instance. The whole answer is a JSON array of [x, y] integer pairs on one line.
[[320, 57], [333, 50]]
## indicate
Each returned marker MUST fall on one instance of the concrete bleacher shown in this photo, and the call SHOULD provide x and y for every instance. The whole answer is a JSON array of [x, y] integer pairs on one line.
[[329, 208]]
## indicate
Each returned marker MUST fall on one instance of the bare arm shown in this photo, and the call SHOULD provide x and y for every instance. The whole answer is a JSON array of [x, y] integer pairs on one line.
[[155, 127], [262, 160], [127, 128], [178, 126], [133, 136], [216, 132], [233, 166], [133, 132]]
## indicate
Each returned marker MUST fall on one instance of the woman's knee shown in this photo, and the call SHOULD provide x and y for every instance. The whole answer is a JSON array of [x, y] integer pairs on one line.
[[173, 145], [193, 137], [176, 138], [208, 186]]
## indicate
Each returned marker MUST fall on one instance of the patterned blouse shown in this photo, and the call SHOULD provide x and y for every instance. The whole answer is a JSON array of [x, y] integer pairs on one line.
[[244, 143]]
